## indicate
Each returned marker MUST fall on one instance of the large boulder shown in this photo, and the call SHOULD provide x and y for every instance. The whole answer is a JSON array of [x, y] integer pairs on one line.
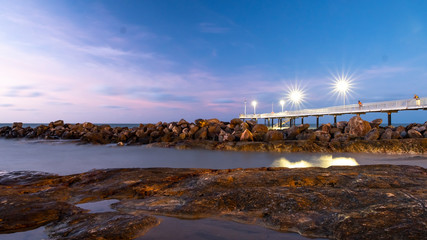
[[246, 136], [414, 134], [326, 127], [374, 134], [259, 132], [274, 135], [213, 131], [181, 122], [376, 123], [357, 127]]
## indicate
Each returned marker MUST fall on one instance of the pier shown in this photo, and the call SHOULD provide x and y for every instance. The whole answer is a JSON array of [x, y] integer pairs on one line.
[[388, 107]]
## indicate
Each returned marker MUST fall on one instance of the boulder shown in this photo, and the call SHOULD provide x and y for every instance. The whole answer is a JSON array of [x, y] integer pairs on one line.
[[333, 131], [414, 134], [213, 131], [176, 130], [341, 125], [181, 122], [259, 132], [309, 136], [193, 131], [357, 127], [58, 123], [88, 125], [201, 122], [225, 137], [303, 127], [403, 134], [400, 129], [341, 137], [201, 134], [421, 129], [182, 136], [395, 135], [292, 132], [326, 127], [387, 134], [376, 123], [274, 136], [17, 125], [213, 121], [235, 122], [251, 123], [322, 136], [374, 134], [246, 136], [243, 127]]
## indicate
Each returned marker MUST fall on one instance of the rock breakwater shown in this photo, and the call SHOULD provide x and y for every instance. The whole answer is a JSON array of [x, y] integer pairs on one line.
[[362, 202], [356, 135]]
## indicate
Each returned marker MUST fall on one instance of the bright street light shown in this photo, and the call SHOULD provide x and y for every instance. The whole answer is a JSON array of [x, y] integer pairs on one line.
[[282, 102], [342, 85], [254, 103], [296, 96]]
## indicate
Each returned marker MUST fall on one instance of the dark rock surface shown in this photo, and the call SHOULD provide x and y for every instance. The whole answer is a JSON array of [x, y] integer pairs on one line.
[[362, 202]]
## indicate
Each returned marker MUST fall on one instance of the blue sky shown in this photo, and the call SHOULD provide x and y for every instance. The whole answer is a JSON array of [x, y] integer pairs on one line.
[[149, 61]]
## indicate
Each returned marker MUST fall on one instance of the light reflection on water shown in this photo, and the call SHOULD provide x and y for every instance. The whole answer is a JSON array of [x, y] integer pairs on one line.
[[321, 161]]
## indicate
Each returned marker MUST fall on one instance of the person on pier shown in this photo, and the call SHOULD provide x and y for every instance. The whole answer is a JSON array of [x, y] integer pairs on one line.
[[360, 104]]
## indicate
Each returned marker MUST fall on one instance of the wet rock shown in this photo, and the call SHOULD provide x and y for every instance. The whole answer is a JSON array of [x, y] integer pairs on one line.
[[213, 131], [341, 137], [403, 134], [372, 135], [193, 131], [376, 123], [176, 130], [340, 202], [95, 138], [357, 127], [414, 134], [251, 124], [108, 225], [246, 136], [243, 127]]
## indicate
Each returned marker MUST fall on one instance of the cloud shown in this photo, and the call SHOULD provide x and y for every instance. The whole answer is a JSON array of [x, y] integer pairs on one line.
[[222, 100], [115, 107], [6, 105], [383, 71], [206, 27]]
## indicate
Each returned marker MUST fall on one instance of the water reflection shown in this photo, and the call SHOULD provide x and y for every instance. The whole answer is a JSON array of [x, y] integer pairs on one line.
[[322, 161]]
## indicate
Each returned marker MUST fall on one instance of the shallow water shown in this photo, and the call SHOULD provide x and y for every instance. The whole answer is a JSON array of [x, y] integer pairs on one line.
[[65, 157]]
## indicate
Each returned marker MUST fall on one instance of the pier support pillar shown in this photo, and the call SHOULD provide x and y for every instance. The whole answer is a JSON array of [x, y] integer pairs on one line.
[[389, 118], [317, 122], [302, 120], [335, 120]]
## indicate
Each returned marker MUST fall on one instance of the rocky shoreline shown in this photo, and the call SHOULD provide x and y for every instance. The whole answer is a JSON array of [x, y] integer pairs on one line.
[[361, 202], [355, 136]]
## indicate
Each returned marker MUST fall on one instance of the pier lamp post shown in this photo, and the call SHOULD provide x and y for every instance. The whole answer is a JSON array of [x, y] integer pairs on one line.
[[282, 102], [254, 103]]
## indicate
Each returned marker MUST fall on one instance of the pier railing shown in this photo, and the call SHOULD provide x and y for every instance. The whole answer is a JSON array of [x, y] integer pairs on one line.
[[389, 106]]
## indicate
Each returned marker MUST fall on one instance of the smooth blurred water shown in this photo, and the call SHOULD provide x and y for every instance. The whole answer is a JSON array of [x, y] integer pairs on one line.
[[67, 157]]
